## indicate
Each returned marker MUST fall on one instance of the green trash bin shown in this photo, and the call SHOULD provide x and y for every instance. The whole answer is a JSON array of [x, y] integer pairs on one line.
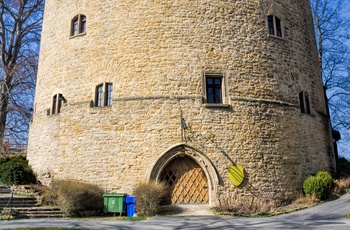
[[114, 203]]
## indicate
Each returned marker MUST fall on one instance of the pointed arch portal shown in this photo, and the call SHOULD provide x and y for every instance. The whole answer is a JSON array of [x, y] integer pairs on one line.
[[188, 173]]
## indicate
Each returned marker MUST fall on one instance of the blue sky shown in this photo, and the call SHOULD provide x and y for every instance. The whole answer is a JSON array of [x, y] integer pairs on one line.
[[344, 144]]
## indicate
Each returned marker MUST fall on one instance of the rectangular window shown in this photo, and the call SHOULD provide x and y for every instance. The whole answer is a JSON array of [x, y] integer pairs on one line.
[[57, 100], [75, 27], [54, 101], [83, 24], [270, 24], [307, 104], [278, 27], [213, 89], [103, 95], [304, 101], [78, 25], [274, 25], [99, 95], [108, 94], [59, 103]]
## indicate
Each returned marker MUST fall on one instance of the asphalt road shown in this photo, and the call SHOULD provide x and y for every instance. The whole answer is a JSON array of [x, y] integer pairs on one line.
[[329, 215]]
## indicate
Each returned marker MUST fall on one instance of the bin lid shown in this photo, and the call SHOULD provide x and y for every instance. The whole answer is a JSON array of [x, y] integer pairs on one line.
[[114, 194], [130, 199]]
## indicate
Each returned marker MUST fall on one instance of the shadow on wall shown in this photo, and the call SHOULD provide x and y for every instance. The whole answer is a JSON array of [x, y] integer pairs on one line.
[[200, 140]]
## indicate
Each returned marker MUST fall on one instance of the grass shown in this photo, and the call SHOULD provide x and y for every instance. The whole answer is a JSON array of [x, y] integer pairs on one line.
[[50, 228], [122, 218]]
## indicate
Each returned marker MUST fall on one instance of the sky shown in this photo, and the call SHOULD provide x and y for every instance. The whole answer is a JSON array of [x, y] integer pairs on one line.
[[344, 144]]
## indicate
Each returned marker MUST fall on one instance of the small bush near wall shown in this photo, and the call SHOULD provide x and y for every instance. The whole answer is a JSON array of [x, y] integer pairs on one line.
[[148, 198], [75, 198], [342, 186], [320, 185], [248, 206], [16, 171]]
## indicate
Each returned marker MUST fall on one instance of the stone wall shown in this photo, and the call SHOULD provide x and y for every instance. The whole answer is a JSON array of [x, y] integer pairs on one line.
[[155, 53]]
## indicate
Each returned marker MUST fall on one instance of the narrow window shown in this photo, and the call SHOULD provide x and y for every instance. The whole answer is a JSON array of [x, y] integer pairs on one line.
[[99, 95], [214, 89], [75, 27], [54, 101], [274, 25], [271, 26], [83, 24], [103, 95], [57, 101], [278, 27], [304, 101], [307, 104], [108, 94]]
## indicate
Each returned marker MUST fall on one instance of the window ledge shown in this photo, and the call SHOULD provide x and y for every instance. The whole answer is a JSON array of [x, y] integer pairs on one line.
[[308, 114], [77, 35], [102, 107], [216, 105], [275, 36]]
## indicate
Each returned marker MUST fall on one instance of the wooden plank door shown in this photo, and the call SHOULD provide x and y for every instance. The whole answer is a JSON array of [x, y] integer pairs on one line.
[[186, 181]]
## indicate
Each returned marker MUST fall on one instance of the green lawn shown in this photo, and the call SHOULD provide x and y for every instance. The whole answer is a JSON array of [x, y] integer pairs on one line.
[[50, 228]]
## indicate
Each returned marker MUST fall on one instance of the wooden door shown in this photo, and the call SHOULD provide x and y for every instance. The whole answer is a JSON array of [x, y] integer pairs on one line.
[[186, 181]]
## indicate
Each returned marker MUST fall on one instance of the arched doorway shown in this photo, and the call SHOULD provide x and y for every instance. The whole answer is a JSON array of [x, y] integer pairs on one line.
[[187, 162], [186, 181]]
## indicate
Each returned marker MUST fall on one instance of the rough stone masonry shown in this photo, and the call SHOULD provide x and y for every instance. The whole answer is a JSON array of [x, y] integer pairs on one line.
[[219, 82]]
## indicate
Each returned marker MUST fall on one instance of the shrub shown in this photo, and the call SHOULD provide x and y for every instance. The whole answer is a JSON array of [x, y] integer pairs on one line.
[[320, 185], [16, 171], [327, 181], [312, 187], [75, 198], [148, 197], [342, 185]]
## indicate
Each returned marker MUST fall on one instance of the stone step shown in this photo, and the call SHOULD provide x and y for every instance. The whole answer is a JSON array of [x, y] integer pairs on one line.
[[4, 190], [18, 201], [37, 212]]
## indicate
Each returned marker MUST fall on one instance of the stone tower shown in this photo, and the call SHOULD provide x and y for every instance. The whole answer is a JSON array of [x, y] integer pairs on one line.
[[178, 91]]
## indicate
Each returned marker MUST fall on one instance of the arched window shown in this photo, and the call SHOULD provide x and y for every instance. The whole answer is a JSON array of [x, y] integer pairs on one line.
[[78, 25]]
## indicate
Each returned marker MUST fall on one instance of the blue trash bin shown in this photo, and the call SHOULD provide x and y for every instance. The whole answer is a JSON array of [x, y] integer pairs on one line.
[[130, 205]]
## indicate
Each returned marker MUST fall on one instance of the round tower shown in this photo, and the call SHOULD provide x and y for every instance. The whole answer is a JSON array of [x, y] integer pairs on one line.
[[177, 92]]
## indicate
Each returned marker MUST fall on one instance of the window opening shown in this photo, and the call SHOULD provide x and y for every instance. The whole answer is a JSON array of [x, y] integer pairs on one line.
[[54, 101], [99, 95], [78, 25], [274, 25], [57, 101], [103, 94], [75, 27], [109, 88], [214, 89], [304, 101], [271, 27], [83, 24], [278, 27]]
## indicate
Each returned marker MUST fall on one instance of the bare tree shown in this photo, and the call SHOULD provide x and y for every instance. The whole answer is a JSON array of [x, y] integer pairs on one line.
[[332, 35], [20, 29]]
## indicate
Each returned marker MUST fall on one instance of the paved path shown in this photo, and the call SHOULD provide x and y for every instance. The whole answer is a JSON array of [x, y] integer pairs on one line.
[[329, 215]]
